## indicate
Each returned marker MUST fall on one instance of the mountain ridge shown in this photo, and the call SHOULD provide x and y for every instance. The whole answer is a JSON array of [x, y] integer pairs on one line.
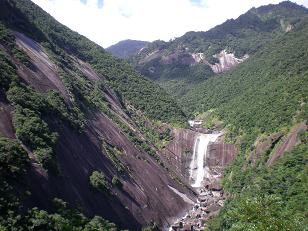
[[194, 57], [126, 48]]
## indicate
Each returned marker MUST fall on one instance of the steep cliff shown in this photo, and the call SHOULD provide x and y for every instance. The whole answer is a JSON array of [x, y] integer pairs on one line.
[[76, 112], [179, 153]]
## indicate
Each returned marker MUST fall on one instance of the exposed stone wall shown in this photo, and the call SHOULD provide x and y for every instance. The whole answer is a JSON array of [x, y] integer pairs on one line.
[[179, 153], [226, 61]]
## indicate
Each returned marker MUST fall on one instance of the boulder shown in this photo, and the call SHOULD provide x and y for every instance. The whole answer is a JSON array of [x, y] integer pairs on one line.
[[216, 186], [212, 208]]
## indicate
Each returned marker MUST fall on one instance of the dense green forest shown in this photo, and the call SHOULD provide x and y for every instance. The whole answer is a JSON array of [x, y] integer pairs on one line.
[[264, 95], [266, 198]]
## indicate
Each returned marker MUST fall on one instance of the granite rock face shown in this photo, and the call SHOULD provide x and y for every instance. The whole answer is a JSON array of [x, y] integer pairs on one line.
[[179, 154], [226, 61], [139, 201]]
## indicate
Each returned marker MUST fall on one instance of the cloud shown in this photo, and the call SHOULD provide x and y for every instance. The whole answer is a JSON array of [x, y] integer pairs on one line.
[[108, 21]]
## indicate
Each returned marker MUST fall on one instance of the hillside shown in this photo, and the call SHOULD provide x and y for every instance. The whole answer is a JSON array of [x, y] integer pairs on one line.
[[89, 143], [265, 93], [192, 58], [126, 48], [80, 132], [262, 106], [249, 78]]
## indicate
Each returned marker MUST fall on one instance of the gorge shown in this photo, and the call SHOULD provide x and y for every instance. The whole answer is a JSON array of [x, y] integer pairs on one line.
[[92, 142], [208, 203]]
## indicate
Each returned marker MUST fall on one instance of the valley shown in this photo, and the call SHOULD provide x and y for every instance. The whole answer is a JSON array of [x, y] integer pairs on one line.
[[205, 132]]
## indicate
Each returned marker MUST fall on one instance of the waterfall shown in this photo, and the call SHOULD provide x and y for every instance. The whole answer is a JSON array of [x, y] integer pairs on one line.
[[197, 167]]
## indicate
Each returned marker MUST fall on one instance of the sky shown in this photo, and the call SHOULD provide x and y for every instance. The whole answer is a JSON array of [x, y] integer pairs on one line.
[[107, 22]]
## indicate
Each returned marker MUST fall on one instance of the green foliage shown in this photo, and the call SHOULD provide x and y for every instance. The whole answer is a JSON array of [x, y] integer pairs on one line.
[[167, 62], [263, 197], [152, 227], [73, 115], [210, 120], [114, 153], [34, 132], [51, 103], [7, 39], [157, 134], [63, 219], [38, 115], [99, 224], [99, 182], [263, 94], [31, 111], [13, 159], [135, 138], [26, 97], [7, 72], [261, 213], [116, 182], [13, 165]]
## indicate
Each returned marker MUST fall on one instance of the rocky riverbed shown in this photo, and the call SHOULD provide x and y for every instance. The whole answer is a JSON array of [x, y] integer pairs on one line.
[[208, 205]]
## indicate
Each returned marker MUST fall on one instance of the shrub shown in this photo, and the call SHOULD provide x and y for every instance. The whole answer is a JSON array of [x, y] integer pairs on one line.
[[98, 223], [116, 182], [99, 182]]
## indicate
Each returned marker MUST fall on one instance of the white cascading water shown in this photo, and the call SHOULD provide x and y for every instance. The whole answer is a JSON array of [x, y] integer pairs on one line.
[[197, 167]]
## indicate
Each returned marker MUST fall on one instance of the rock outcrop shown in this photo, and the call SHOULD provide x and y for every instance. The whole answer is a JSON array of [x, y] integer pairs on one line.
[[226, 61], [179, 152], [139, 201], [288, 143], [218, 157], [210, 195]]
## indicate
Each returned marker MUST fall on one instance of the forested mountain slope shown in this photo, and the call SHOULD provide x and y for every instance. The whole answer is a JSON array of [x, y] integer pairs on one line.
[[192, 58], [262, 106], [80, 132], [266, 92], [249, 78]]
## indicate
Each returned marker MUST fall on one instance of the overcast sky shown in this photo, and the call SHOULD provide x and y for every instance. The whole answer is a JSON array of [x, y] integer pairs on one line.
[[107, 22]]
